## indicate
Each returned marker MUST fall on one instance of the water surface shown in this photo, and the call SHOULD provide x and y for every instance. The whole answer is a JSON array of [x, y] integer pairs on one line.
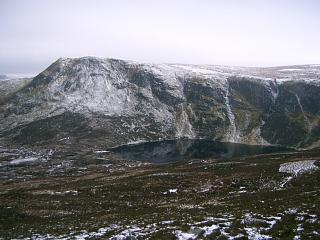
[[170, 151]]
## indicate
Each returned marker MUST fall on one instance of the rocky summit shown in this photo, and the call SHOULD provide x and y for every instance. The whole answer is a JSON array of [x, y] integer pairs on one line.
[[91, 100]]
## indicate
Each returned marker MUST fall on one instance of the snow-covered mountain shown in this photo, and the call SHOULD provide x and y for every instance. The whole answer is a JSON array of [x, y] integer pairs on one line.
[[107, 101]]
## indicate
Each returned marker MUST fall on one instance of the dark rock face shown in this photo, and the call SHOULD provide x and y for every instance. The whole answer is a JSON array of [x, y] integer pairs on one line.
[[111, 102], [295, 115], [206, 112], [54, 128]]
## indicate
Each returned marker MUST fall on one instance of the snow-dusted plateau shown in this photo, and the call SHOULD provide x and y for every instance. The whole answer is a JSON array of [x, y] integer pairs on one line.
[[95, 148]]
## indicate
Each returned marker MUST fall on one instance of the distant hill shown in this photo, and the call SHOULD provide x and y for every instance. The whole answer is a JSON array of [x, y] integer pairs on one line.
[[2, 76]]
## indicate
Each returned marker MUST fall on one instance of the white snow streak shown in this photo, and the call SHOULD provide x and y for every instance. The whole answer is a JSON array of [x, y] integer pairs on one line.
[[233, 136]]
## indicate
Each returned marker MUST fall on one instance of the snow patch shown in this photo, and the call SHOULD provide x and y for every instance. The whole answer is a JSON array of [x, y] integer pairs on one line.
[[296, 168], [175, 190], [23, 160], [136, 142], [208, 230], [290, 70], [253, 234], [197, 69], [102, 151], [185, 236]]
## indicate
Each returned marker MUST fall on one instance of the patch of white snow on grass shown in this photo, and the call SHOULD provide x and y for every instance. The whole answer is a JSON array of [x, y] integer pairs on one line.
[[185, 236], [130, 233], [167, 222], [208, 230], [102, 151], [136, 142], [175, 190], [253, 234], [285, 181], [23, 160], [299, 167]]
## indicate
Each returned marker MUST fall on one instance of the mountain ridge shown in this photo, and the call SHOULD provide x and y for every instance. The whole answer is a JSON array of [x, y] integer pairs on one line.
[[122, 101]]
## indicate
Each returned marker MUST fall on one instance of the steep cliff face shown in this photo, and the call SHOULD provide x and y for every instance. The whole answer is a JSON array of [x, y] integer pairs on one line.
[[90, 100]]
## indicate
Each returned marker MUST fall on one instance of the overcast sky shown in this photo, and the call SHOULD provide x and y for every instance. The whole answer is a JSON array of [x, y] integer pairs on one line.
[[33, 33]]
